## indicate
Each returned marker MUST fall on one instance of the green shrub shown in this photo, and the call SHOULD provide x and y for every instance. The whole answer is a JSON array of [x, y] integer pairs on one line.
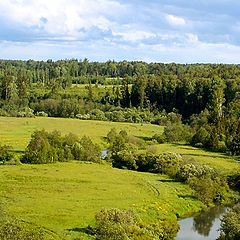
[[230, 224], [168, 163], [5, 154], [118, 224], [51, 147], [177, 133]]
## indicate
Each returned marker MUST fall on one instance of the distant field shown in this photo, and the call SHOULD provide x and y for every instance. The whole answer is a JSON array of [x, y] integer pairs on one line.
[[17, 131], [222, 162], [64, 196]]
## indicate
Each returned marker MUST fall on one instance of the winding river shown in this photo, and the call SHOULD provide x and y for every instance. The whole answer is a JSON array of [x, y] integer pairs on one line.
[[204, 226]]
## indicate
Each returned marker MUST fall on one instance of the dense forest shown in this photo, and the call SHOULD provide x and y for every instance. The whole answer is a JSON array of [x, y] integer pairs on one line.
[[200, 99]]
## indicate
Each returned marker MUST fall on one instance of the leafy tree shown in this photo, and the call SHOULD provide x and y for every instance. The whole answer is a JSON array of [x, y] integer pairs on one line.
[[125, 224], [209, 190], [168, 163], [5, 153], [89, 151], [230, 225], [39, 149]]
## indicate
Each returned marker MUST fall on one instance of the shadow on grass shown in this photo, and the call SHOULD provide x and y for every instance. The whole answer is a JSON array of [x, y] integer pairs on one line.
[[207, 153], [167, 180], [87, 230], [144, 138], [187, 196]]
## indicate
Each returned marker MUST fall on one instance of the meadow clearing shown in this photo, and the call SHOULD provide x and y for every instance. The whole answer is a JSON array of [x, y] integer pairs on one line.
[[64, 197]]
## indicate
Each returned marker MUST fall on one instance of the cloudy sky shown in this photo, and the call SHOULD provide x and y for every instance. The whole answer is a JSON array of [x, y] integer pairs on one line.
[[180, 31]]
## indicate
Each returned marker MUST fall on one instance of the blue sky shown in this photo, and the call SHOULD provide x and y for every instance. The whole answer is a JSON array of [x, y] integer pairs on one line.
[[179, 31]]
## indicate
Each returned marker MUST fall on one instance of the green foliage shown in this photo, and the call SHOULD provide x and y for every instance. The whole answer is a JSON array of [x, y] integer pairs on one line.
[[5, 153], [201, 138], [88, 150], [117, 141], [189, 170], [118, 224], [115, 224], [168, 163], [51, 147], [39, 149], [177, 133], [125, 159], [230, 225], [210, 190]]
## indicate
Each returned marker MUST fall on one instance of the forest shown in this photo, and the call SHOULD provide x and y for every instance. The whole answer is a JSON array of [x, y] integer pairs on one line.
[[202, 100]]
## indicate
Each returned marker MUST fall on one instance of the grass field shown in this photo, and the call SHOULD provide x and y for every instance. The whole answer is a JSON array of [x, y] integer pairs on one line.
[[17, 131], [224, 163], [66, 196]]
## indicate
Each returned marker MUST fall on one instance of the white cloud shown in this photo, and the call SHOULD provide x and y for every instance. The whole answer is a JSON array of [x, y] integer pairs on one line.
[[175, 20], [61, 16], [192, 38], [134, 36]]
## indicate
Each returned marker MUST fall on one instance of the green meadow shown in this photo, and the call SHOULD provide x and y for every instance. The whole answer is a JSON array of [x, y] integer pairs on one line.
[[17, 131], [64, 197]]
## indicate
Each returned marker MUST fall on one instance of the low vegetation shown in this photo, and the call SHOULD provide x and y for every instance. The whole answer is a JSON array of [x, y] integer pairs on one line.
[[64, 197], [230, 224]]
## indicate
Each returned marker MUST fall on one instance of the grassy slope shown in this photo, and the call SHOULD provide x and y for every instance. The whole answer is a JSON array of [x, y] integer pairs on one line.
[[224, 163], [67, 195], [17, 131]]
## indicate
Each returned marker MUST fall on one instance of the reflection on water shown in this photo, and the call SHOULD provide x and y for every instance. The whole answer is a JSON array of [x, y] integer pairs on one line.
[[204, 226]]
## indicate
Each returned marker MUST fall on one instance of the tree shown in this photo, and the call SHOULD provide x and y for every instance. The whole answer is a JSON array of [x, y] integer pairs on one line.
[[230, 225], [5, 153], [89, 151], [39, 149]]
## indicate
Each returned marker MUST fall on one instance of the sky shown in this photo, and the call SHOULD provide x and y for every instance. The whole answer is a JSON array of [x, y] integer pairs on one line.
[[181, 31]]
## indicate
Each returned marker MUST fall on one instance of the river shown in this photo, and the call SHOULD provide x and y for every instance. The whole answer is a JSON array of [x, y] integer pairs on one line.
[[204, 226]]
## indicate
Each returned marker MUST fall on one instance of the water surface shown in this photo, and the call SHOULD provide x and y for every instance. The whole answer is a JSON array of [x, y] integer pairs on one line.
[[204, 226]]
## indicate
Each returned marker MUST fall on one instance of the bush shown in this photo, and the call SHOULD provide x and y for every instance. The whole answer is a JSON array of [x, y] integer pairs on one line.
[[201, 138], [88, 150], [5, 154], [230, 225], [177, 133], [160, 138], [146, 162], [41, 114], [168, 163], [51, 147], [124, 159], [118, 224], [210, 190], [197, 170], [115, 224]]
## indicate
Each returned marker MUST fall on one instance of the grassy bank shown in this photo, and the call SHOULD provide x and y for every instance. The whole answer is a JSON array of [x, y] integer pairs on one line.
[[65, 197]]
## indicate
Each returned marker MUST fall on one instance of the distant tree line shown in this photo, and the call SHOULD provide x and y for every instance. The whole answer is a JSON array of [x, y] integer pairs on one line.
[[204, 99]]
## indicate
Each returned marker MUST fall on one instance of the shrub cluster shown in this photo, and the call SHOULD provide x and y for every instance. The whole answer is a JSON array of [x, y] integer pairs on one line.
[[230, 225], [6, 154], [113, 224], [51, 147]]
